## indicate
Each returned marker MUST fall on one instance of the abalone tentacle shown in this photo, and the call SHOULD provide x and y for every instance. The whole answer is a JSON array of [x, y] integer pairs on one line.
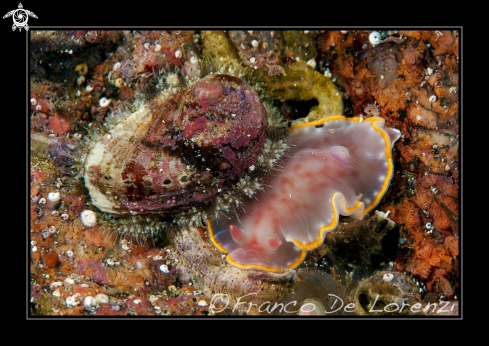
[[180, 153]]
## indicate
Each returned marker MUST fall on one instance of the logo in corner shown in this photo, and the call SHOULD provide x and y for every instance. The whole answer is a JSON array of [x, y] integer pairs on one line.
[[20, 17]]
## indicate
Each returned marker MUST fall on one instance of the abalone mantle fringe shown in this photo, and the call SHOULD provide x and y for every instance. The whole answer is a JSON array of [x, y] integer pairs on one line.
[[117, 123]]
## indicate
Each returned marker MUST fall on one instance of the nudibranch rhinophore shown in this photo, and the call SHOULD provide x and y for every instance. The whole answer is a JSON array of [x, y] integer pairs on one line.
[[336, 165]]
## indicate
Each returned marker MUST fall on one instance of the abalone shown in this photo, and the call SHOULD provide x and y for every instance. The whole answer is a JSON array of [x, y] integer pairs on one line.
[[178, 153]]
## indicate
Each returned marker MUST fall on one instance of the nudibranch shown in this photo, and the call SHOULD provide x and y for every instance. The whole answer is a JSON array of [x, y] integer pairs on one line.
[[336, 165]]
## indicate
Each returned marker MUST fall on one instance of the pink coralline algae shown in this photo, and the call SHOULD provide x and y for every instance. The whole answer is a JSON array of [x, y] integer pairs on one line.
[[177, 153]]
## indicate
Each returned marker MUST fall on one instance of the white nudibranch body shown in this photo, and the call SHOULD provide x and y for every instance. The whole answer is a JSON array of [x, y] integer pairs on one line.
[[374, 38], [104, 102], [54, 196], [88, 218]]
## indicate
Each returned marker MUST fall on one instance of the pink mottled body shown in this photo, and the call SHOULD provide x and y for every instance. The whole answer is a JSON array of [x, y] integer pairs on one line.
[[342, 168]]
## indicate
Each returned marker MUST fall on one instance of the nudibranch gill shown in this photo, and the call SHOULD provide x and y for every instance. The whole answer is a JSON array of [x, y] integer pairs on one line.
[[335, 166]]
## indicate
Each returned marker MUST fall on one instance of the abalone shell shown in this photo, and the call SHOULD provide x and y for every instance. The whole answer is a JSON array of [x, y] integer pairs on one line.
[[179, 153]]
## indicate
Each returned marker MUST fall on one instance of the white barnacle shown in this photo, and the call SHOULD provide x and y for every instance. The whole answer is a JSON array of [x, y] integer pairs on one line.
[[254, 43], [252, 59], [388, 277], [157, 47], [164, 268], [125, 247], [42, 201], [104, 102], [116, 66], [428, 225], [45, 234], [55, 284], [102, 298], [88, 218], [429, 71], [202, 303], [419, 117], [119, 82], [89, 301], [33, 101], [52, 230], [38, 107], [432, 98], [311, 63], [80, 80], [54, 196], [328, 73], [374, 38], [193, 60], [89, 88], [71, 301], [69, 253], [78, 93], [178, 54], [381, 76], [146, 45]]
